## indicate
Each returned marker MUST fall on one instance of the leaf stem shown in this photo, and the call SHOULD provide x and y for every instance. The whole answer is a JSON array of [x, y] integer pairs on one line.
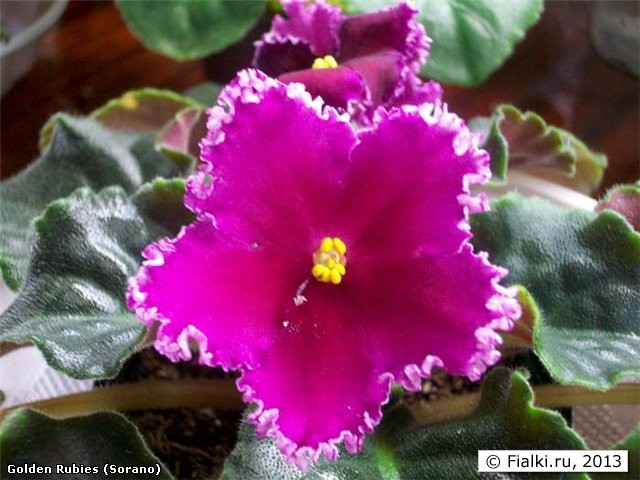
[[222, 393]]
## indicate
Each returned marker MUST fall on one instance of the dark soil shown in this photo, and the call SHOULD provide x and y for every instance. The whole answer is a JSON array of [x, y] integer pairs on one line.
[[441, 385], [192, 443]]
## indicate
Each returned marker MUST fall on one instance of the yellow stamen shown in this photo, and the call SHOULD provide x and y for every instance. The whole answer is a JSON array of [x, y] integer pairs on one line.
[[328, 61], [339, 246], [318, 270], [326, 245], [329, 261]]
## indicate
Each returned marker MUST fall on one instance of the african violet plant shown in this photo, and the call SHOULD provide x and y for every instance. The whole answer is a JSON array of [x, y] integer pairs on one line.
[[334, 243]]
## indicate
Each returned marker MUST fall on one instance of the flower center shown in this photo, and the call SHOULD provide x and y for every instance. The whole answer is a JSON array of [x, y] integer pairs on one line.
[[328, 61], [329, 261]]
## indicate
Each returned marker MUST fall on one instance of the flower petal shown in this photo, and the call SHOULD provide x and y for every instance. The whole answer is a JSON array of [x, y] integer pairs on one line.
[[386, 49], [273, 165], [318, 386], [316, 24], [381, 73], [328, 371], [431, 310], [408, 185], [393, 28], [397, 83], [337, 86], [276, 55], [191, 285], [418, 92]]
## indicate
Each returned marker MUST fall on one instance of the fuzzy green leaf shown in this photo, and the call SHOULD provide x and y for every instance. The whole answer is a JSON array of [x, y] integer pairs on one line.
[[521, 336], [525, 141], [146, 110], [192, 29], [624, 199], [583, 272], [401, 450], [82, 153], [86, 247], [30, 438], [471, 38]]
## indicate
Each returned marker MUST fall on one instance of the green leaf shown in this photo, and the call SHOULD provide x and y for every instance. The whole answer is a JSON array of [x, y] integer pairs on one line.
[[180, 138], [505, 419], [186, 30], [583, 272], [82, 153], [471, 38], [624, 199], [205, 93], [525, 141], [521, 336], [30, 438], [632, 444], [86, 247], [253, 459], [146, 110]]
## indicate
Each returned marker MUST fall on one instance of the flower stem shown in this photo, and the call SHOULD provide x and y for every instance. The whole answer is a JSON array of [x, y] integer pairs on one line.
[[222, 393]]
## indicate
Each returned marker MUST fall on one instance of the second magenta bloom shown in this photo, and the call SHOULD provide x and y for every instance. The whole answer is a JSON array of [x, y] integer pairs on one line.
[[356, 63]]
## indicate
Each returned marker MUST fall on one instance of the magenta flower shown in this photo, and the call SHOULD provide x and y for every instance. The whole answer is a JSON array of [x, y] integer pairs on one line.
[[356, 63], [326, 263]]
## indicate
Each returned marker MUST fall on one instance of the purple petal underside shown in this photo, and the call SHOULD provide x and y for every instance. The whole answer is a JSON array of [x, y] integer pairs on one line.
[[366, 39], [380, 73], [337, 86], [392, 28], [281, 55], [315, 24]]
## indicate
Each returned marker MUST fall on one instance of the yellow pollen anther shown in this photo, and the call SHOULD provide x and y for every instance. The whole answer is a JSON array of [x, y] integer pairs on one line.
[[329, 261], [326, 245], [328, 61], [339, 246]]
